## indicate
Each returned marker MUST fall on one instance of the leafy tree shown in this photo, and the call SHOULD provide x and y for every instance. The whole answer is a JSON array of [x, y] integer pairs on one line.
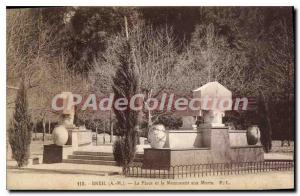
[[20, 130], [182, 19], [85, 36]]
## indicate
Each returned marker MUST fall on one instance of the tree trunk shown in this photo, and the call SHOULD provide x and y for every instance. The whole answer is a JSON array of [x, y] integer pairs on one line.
[[32, 128], [149, 119], [110, 126], [49, 127], [96, 135], [104, 133], [111, 132], [149, 112], [126, 27], [268, 142], [35, 134], [44, 129], [289, 119]]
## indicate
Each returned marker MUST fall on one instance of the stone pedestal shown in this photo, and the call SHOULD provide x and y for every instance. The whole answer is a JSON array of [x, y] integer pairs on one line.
[[238, 138], [214, 118], [55, 154], [67, 137], [211, 143], [216, 139], [79, 137], [52, 154], [213, 146]]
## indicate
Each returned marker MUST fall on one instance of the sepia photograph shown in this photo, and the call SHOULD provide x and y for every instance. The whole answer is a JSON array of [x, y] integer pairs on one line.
[[150, 98]]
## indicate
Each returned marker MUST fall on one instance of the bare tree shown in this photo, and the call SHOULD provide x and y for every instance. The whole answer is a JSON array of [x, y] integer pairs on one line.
[[157, 58]]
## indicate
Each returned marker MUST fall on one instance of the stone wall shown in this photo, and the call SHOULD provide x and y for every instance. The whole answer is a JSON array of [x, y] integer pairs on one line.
[[210, 145], [238, 138], [183, 139]]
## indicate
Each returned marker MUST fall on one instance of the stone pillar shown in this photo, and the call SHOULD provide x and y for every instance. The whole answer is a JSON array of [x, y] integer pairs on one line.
[[214, 118], [74, 139], [68, 110], [215, 135]]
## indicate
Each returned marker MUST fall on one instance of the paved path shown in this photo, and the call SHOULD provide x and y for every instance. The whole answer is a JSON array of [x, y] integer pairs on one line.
[[50, 181], [66, 168]]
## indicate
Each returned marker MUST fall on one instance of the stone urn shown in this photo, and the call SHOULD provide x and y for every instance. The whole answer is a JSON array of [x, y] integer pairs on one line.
[[157, 136], [60, 135], [253, 135]]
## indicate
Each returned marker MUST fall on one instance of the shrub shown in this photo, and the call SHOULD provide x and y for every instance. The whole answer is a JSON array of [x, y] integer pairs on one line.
[[20, 129], [118, 151], [126, 84], [170, 122]]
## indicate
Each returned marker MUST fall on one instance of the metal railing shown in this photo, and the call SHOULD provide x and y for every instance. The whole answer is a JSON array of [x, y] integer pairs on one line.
[[213, 169]]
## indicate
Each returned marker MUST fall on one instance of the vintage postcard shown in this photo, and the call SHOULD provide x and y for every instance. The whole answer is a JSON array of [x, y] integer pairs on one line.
[[150, 98]]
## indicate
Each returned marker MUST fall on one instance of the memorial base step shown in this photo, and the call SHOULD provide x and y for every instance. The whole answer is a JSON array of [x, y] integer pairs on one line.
[[96, 158]]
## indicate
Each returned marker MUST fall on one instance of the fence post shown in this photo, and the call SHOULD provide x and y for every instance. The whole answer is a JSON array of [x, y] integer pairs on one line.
[[248, 167], [280, 166], [272, 165], [132, 171], [213, 173], [173, 172], [260, 165], [228, 168], [194, 170], [222, 168]]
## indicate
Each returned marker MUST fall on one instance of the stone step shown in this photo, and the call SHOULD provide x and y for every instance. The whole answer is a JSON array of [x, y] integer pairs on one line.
[[96, 158], [91, 162], [103, 158], [91, 157], [92, 153]]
